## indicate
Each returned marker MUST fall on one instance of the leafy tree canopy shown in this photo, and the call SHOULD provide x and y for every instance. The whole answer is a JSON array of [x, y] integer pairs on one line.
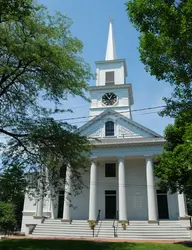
[[165, 28], [16, 9], [174, 166], [40, 63], [165, 34]]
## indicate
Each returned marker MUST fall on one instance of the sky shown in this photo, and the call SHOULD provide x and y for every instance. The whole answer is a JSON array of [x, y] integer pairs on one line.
[[90, 25]]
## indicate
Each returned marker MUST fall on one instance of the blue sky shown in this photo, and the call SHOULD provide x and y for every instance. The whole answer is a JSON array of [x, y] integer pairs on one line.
[[90, 25]]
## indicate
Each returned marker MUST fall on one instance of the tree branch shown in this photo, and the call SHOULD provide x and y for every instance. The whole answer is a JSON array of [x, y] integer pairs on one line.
[[15, 136], [13, 80], [12, 134]]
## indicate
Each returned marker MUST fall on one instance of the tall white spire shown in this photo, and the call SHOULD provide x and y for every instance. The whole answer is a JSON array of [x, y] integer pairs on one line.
[[111, 49]]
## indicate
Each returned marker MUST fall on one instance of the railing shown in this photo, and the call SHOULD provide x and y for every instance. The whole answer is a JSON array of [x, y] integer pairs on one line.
[[116, 218], [96, 222], [98, 217], [43, 219]]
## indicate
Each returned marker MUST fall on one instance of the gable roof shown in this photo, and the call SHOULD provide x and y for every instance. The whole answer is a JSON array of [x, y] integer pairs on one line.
[[112, 112]]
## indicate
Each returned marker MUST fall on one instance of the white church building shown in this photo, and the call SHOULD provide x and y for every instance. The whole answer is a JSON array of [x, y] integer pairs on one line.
[[121, 175]]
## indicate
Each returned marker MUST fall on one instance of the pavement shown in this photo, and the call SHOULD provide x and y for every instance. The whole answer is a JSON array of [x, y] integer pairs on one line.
[[97, 239]]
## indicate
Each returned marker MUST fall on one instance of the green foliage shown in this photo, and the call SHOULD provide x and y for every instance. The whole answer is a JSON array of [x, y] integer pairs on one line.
[[40, 66], [165, 28], [12, 188], [15, 9], [189, 206], [174, 166], [7, 218], [92, 224]]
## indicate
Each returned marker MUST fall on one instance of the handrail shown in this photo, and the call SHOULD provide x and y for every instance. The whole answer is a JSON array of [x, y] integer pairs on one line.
[[98, 217], [43, 219], [96, 222], [116, 218]]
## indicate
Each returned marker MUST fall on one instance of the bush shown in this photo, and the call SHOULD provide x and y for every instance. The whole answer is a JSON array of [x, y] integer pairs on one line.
[[7, 218]]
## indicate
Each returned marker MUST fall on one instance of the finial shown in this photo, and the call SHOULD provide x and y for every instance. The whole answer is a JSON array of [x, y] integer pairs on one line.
[[111, 19]]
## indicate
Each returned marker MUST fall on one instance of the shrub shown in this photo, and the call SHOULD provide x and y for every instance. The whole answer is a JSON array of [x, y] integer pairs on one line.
[[7, 218]]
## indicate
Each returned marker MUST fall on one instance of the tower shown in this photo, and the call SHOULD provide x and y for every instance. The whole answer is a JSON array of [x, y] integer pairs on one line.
[[111, 90]]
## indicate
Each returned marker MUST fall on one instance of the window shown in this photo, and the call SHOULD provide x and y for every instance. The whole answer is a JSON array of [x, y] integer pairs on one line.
[[110, 170], [109, 78], [109, 128], [62, 172]]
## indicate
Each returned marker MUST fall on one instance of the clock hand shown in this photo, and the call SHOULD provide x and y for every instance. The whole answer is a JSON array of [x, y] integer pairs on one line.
[[108, 96]]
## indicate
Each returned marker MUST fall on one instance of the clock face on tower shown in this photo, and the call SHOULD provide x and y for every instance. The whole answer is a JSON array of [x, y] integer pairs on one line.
[[109, 99]]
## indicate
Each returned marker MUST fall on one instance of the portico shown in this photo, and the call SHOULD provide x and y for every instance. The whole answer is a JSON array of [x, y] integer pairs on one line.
[[132, 188], [121, 187]]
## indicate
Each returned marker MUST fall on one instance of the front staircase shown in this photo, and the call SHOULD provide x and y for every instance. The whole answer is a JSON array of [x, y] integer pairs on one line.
[[166, 230]]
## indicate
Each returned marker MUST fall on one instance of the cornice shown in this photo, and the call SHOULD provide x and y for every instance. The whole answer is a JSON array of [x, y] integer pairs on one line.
[[115, 86], [116, 144]]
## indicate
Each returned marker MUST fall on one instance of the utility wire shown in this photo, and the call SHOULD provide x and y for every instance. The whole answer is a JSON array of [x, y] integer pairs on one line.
[[135, 114], [134, 110], [85, 117]]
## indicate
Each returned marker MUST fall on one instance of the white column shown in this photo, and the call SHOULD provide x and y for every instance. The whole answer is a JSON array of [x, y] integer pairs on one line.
[[54, 204], [93, 192], [67, 193], [182, 205], [40, 204], [122, 191], [151, 191]]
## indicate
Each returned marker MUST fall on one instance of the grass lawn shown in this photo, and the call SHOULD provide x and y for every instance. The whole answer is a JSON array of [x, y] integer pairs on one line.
[[23, 244]]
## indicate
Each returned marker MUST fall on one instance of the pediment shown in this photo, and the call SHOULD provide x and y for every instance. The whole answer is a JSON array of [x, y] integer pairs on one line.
[[124, 127]]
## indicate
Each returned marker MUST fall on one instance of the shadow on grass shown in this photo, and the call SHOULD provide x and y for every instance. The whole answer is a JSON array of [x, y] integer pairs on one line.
[[185, 243], [26, 244]]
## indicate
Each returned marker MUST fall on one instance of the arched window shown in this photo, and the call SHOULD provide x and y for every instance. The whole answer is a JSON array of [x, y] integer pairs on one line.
[[109, 128]]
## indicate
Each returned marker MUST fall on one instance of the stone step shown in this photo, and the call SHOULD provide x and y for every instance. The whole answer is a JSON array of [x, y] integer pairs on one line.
[[135, 230], [61, 230], [63, 235], [151, 231]]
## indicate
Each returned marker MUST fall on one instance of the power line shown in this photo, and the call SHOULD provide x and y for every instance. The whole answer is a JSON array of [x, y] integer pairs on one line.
[[90, 116], [85, 117], [84, 120]]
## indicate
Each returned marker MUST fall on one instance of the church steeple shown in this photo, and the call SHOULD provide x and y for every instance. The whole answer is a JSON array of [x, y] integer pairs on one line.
[[111, 91], [111, 49]]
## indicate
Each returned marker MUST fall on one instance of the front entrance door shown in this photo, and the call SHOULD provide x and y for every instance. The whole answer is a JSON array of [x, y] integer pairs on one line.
[[162, 205], [60, 204], [110, 204]]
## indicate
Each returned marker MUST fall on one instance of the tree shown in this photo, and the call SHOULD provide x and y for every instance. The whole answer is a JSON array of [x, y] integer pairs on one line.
[[7, 218], [12, 189], [174, 166], [16, 9], [165, 28], [40, 63]]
